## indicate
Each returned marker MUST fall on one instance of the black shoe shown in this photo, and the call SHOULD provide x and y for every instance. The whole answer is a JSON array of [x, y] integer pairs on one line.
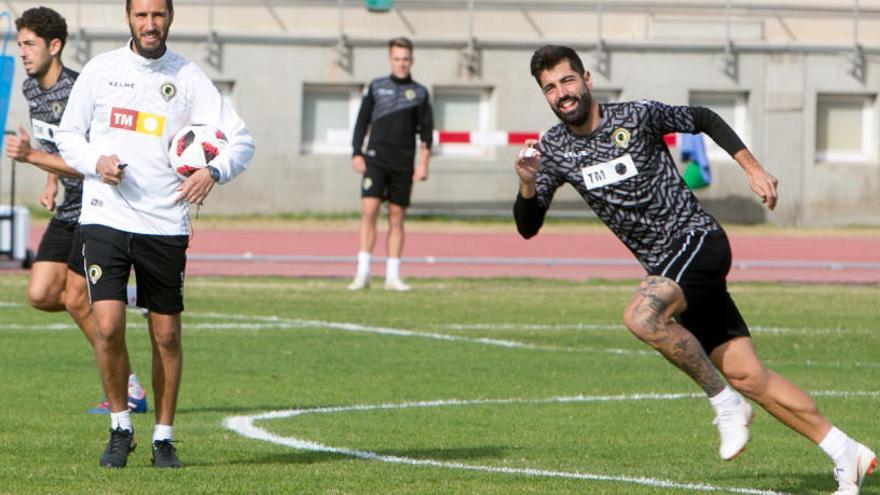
[[116, 454], [165, 455]]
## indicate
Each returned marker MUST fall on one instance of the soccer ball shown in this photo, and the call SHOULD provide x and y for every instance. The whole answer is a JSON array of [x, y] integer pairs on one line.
[[194, 147]]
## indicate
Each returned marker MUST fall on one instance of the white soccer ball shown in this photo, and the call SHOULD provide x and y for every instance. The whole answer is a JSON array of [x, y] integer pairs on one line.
[[194, 147]]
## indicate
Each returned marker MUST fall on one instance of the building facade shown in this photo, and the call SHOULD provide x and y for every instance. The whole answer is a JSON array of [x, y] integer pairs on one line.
[[797, 79]]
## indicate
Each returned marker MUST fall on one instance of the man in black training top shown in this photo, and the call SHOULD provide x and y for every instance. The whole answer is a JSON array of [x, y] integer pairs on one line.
[[615, 157], [394, 110]]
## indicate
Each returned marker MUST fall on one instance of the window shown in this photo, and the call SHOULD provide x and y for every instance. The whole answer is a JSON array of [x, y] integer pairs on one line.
[[729, 106], [462, 110], [328, 117], [844, 128]]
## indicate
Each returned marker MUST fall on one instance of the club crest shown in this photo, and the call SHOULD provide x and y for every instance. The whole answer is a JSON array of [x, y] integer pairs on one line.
[[621, 137], [57, 109], [95, 273], [168, 90]]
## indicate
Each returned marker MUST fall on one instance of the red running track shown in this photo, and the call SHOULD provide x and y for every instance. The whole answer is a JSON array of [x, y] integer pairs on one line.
[[851, 259], [578, 256]]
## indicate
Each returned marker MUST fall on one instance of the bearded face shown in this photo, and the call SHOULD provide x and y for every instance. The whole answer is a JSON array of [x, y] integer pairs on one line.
[[574, 109], [149, 22], [568, 93], [34, 52]]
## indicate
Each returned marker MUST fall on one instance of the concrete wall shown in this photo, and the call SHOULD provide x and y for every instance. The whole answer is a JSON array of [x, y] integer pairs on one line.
[[269, 73]]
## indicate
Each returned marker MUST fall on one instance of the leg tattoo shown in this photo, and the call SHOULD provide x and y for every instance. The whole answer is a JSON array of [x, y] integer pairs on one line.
[[649, 318]]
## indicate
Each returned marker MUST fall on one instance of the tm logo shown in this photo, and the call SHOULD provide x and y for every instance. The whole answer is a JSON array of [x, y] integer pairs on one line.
[[132, 120]]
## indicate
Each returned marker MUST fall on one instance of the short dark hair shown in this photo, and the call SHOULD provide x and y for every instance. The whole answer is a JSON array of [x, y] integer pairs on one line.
[[169, 4], [549, 56], [45, 23], [402, 42]]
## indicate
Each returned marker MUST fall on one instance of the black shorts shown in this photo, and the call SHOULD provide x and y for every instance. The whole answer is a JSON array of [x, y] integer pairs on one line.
[[699, 263], [61, 243], [395, 185], [159, 262]]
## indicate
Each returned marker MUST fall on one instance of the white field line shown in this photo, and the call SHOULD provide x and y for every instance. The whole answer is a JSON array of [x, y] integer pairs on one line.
[[809, 363], [244, 425], [283, 324], [531, 327], [6, 304], [396, 332], [278, 323]]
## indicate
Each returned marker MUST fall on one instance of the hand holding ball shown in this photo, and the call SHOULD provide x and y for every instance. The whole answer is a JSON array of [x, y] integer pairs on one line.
[[527, 153], [194, 147]]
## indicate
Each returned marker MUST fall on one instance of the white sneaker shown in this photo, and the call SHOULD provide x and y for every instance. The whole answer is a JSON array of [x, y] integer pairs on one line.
[[396, 284], [359, 283], [851, 476], [733, 426]]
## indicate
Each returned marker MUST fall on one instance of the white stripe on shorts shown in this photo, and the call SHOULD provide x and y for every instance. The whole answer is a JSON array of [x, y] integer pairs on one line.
[[86, 271], [688, 262], [681, 251]]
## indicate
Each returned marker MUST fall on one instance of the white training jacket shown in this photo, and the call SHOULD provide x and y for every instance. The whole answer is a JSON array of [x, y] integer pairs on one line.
[[126, 105]]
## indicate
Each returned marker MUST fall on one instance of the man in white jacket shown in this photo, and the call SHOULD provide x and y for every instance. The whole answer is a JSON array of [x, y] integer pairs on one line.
[[122, 112]]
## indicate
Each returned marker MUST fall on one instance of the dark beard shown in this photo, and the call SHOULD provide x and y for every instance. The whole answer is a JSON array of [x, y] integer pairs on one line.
[[581, 113], [146, 52], [39, 72]]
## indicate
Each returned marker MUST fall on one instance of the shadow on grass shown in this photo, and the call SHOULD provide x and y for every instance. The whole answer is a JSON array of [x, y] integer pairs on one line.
[[457, 454], [801, 483], [243, 409], [300, 457], [294, 457], [815, 482]]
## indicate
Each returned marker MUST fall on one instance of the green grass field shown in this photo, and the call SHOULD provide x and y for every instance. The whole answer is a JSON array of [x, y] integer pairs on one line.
[[507, 386]]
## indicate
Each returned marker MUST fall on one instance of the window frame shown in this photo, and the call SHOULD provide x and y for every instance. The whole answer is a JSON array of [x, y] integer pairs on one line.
[[867, 154], [485, 118], [740, 124], [328, 146]]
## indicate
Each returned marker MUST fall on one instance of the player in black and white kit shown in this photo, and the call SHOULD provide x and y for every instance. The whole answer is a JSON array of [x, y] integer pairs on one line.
[[394, 110], [615, 157], [57, 280]]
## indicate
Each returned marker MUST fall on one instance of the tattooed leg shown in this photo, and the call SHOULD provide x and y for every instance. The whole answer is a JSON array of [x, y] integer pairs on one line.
[[649, 317]]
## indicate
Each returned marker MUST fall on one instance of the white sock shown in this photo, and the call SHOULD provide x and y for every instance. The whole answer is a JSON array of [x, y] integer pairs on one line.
[[131, 295], [363, 267], [162, 432], [120, 419], [134, 386], [725, 399], [392, 269], [836, 445]]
